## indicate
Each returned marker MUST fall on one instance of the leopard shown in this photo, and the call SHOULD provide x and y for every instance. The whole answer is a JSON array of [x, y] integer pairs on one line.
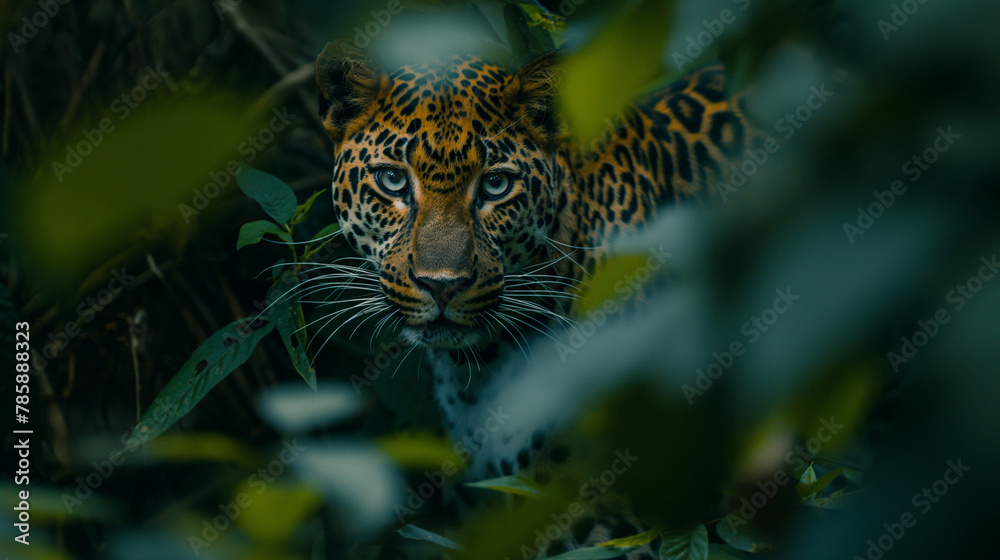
[[476, 213]]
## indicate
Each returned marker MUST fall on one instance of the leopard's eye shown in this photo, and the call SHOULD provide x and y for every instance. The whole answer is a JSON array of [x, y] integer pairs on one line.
[[393, 181], [496, 184]]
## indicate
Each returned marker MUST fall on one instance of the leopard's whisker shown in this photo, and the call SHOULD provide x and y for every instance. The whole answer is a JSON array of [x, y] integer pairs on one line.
[[532, 306], [504, 321], [378, 328], [495, 318], [373, 313], [330, 336], [550, 240], [524, 321], [363, 302], [403, 359]]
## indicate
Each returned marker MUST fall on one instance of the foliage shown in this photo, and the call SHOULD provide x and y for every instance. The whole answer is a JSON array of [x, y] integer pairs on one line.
[[810, 435]]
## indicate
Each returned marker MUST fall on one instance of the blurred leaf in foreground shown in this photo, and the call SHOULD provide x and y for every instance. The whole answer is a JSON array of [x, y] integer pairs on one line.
[[627, 56], [104, 184]]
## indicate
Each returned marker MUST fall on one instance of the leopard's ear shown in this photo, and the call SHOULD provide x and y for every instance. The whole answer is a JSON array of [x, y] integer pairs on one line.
[[532, 89], [349, 82]]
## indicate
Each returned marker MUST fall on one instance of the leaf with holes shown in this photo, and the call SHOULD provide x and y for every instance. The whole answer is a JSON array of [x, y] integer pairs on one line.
[[291, 322], [216, 358], [251, 233], [509, 485], [271, 193], [685, 545]]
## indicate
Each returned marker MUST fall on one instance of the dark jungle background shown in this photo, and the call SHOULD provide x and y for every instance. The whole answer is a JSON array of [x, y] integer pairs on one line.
[[817, 377]]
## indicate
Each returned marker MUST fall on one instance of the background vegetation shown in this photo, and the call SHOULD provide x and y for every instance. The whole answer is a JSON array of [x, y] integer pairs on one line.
[[122, 126]]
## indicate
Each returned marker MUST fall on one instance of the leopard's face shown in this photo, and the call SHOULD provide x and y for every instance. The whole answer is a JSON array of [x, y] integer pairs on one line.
[[445, 181]]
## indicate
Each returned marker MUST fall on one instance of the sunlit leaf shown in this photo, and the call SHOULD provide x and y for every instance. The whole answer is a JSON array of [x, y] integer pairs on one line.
[[296, 502], [273, 195], [812, 489], [613, 281], [49, 504], [201, 447], [635, 540], [686, 545], [102, 184], [509, 485], [416, 533], [421, 451], [252, 233], [627, 56], [808, 476], [210, 363]]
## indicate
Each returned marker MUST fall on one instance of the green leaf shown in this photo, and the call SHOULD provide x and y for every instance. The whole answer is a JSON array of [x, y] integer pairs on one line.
[[722, 552], [686, 545], [302, 212], [251, 233], [325, 233], [216, 358], [288, 317], [628, 56], [509, 485], [416, 533], [808, 490], [421, 451], [319, 240], [172, 144], [808, 476], [600, 287], [835, 500], [296, 501], [635, 540], [737, 538], [202, 447], [591, 553], [522, 42], [270, 192]]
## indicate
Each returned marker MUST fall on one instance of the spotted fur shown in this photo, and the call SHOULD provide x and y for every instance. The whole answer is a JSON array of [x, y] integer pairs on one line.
[[421, 155]]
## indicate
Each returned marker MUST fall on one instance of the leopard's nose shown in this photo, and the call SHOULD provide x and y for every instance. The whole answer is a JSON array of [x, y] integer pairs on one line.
[[444, 289]]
